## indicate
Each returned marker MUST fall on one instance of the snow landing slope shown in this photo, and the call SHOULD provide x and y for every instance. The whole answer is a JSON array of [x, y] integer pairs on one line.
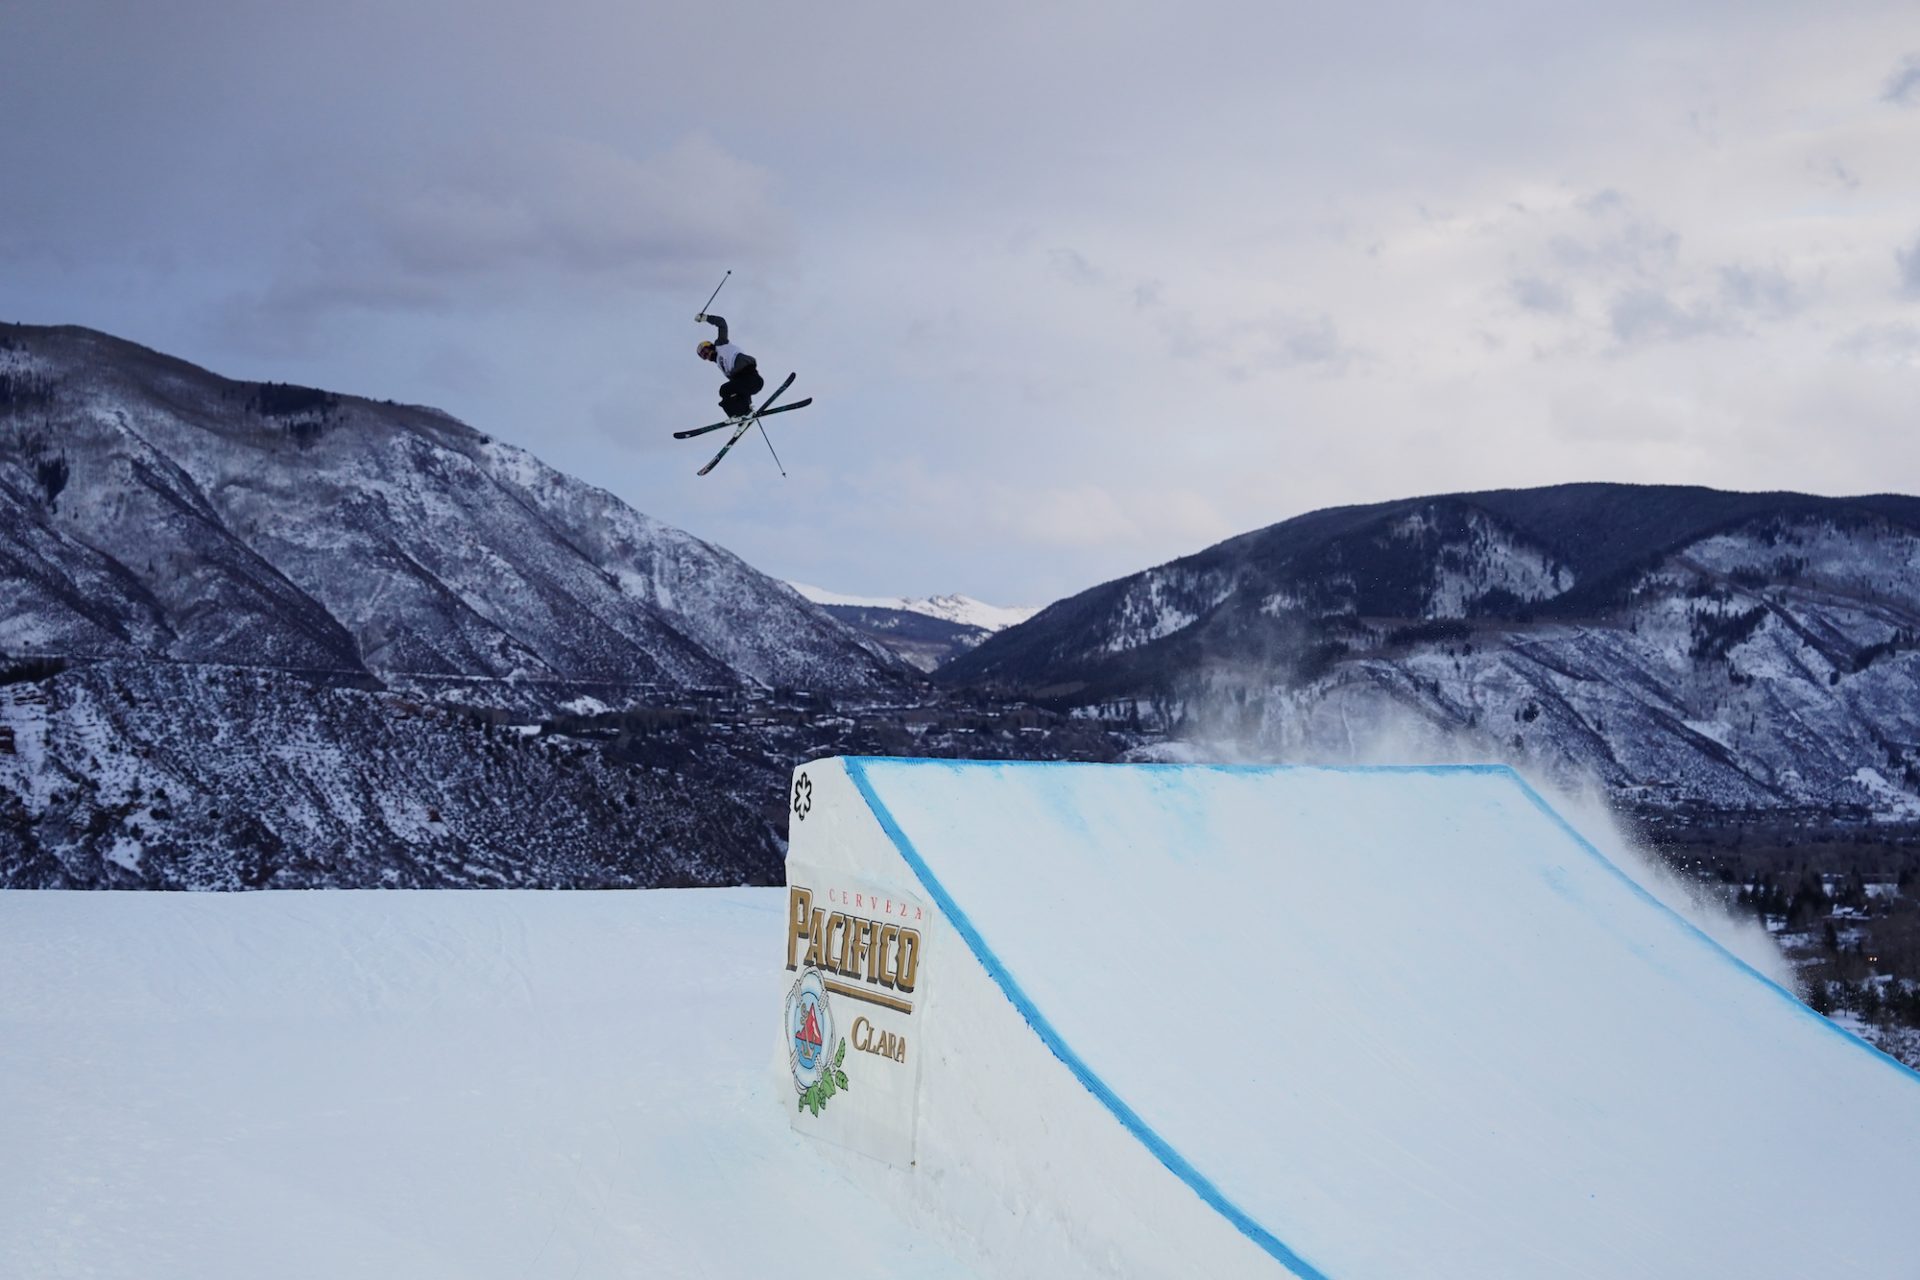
[[1367, 1023]]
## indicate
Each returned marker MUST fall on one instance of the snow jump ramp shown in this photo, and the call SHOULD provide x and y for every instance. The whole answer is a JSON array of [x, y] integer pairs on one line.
[[1140, 1020]]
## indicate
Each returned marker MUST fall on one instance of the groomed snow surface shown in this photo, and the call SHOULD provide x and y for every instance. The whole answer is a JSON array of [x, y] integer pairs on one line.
[[375, 1085], [1175, 1020], [1382, 1023]]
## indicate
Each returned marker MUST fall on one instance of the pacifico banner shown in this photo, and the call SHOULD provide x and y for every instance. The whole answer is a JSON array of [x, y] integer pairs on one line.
[[857, 982]]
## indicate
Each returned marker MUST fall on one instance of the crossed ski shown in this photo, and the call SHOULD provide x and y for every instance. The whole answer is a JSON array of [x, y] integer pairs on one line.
[[745, 423]]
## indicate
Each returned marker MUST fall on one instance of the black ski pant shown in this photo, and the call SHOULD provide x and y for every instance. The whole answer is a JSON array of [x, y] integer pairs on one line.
[[737, 392]]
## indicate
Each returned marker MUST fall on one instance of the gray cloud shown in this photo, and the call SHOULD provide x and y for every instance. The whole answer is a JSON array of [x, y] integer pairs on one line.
[[1903, 86], [1274, 343], [1634, 246], [1653, 292], [1647, 315], [1072, 266], [1603, 202], [1895, 342], [1760, 290], [1909, 260], [529, 212], [510, 223], [1537, 294], [1833, 169], [514, 218], [1313, 343]]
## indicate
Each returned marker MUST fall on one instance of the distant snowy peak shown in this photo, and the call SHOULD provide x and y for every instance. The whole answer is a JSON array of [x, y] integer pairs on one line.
[[962, 611], [926, 634], [969, 612]]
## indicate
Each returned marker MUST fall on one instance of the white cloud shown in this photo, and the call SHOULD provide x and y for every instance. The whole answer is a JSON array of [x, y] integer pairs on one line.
[[519, 216], [1068, 516], [1077, 288]]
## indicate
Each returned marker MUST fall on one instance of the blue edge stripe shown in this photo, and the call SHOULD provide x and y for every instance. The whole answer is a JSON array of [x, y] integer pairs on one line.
[[1164, 1151]]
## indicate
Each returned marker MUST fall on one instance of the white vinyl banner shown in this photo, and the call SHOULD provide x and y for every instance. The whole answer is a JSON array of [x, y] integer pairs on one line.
[[855, 975]]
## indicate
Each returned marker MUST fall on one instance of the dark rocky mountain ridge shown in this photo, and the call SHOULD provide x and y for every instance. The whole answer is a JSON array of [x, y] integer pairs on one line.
[[922, 641], [254, 634], [156, 510], [195, 572], [1705, 655]]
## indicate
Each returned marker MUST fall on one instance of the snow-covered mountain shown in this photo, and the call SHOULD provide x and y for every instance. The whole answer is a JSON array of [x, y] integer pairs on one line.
[[139, 774], [258, 634], [962, 611], [153, 509], [1701, 653], [925, 632]]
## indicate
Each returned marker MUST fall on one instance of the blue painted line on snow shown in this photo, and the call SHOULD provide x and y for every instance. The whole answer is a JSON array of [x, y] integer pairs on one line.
[[1178, 1164]]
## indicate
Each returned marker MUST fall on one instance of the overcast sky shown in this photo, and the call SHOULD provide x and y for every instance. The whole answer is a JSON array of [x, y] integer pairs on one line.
[[1079, 287]]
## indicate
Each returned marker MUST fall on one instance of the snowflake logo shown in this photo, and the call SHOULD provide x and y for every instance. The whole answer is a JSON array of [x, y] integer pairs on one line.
[[802, 797]]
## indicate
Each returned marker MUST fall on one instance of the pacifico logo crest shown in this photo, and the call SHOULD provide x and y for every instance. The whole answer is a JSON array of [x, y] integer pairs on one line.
[[812, 1049]]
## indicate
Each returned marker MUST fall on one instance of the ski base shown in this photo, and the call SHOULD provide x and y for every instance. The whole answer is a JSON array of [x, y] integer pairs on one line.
[[734, 422], [743, 425]]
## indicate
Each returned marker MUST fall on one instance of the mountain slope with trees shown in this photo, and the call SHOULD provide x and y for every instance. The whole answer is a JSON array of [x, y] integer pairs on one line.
[[1704, 655], [255, 634]]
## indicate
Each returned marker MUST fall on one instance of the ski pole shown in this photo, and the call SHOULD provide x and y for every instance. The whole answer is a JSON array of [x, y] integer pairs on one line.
[[716, 291], [769, 440]]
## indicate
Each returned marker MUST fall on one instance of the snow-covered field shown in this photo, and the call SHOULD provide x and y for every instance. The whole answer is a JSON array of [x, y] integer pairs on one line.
[[1342, 1024], [409, 1085]]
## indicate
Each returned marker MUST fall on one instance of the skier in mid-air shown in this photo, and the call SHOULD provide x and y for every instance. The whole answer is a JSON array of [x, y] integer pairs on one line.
[[743, 374], [737, 392]]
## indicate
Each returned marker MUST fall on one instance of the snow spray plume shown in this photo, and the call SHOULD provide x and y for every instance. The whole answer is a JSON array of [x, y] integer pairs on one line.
[[1360, 713]]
